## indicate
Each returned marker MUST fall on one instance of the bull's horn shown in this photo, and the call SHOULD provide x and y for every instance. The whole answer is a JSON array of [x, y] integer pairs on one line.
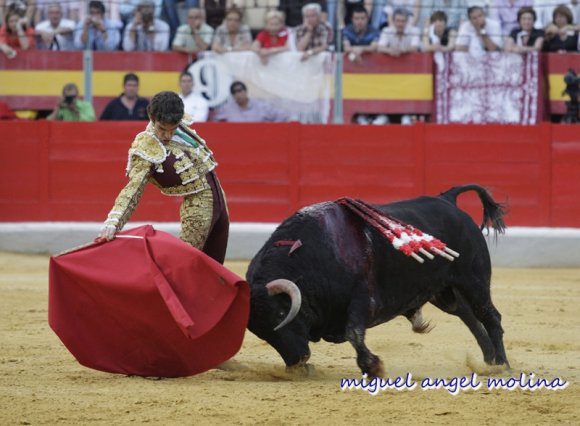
[[292, 290]]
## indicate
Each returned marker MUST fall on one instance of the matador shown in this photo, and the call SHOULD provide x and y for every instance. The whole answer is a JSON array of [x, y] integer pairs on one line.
[[178, 161]]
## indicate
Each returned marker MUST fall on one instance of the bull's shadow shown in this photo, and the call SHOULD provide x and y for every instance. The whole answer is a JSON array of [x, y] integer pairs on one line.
[[334, 269]]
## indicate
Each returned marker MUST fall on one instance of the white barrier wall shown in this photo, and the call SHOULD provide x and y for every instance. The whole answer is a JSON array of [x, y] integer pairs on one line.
[[519, 247]]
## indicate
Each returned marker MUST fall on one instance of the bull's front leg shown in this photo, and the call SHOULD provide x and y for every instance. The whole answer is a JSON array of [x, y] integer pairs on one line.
[[369, 363]]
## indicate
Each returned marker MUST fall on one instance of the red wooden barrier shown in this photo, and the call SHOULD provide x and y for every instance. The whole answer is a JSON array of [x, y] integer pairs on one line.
[[54, 171]]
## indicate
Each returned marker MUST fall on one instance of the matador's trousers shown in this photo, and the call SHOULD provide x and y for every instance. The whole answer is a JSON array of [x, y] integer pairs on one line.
[[205, 222]]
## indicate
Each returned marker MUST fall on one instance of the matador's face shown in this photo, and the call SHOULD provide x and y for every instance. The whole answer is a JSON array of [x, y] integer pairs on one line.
[[164, 131]]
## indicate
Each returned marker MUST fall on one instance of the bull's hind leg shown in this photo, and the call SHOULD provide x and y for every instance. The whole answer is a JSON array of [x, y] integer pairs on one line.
[[452, 302], [479, 299], [369, 363]]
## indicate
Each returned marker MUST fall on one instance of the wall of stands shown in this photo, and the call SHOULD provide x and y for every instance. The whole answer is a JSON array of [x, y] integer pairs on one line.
[[381, 84], [54, 171]]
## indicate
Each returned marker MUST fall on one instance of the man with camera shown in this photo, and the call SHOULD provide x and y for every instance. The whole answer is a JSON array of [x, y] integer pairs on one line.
[[146, 33], [96, 32], [71, 108]]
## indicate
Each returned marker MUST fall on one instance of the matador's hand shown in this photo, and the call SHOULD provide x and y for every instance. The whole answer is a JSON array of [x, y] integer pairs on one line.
[[107, 232]]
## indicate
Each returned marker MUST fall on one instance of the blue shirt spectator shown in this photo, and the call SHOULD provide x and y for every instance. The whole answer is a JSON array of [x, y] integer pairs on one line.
[[97, 32], [359, 32]]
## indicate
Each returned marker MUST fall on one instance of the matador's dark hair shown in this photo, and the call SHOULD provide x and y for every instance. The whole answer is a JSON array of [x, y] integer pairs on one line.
[[166, 107]]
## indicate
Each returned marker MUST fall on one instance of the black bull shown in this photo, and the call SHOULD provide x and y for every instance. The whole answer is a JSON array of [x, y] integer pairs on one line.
[[346, 277]]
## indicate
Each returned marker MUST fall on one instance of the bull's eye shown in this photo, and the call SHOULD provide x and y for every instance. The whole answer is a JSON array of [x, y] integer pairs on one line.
[[281, 314]]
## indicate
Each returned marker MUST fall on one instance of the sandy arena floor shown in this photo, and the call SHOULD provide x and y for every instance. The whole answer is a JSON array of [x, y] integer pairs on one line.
[[41, 383]]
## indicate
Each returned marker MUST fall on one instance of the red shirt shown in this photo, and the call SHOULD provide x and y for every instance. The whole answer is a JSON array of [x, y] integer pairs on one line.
[[266, 40], [12, 39]]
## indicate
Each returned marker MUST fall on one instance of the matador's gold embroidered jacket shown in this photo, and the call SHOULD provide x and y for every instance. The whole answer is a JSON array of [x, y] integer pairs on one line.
[[178, 168]]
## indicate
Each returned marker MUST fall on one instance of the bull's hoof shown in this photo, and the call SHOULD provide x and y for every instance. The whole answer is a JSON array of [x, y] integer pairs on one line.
[[374, 367], [301, 369], [377, 370]]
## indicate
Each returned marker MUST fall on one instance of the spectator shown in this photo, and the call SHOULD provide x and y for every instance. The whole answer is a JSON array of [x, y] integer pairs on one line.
[[454, 9], [96, 32], [313, 35], [401, 38], [232, 35], [358, 37], [560, 35], [411, 8], [438, 37], [293, 10], [195, 105], [525, 38], [215, 11], [15, 34], [128, 106], [352, 5], [56, 33], [479, 34], [545, 10], [42, 6], [146, 33], [71, 108], [255, 13], [273, 39], [240, 108], [171, 15], [78, 9], [506, 13], [195, 36], [6, 113], [23, 8]]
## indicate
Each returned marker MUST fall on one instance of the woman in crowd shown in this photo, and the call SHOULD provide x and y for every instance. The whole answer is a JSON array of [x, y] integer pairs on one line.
[[438, 37], [15, 34], [232, 35], [273, 39], [560, 34], [525, 38]]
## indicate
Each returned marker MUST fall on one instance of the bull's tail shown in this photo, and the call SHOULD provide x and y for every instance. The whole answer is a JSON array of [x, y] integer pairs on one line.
[[493, 212]]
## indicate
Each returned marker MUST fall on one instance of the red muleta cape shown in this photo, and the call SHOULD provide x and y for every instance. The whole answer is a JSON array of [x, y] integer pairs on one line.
[[146, 304]]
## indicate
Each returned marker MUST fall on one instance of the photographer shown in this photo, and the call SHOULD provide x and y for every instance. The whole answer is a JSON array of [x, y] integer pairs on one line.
[[71, 108], [573, 90], [145, 32], [96, 32]]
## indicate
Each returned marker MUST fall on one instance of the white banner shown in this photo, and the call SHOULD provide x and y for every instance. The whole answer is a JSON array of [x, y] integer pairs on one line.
[[302, 88]]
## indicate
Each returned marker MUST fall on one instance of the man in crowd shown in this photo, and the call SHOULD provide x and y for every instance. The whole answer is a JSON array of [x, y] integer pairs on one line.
[[479, 34], [359, 37], [194, 105], [401, 38], [55, 33], [240, 108], [145, 32], [313, 35], [195, 36], [71, 108], [128, 106], [96, 32]]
